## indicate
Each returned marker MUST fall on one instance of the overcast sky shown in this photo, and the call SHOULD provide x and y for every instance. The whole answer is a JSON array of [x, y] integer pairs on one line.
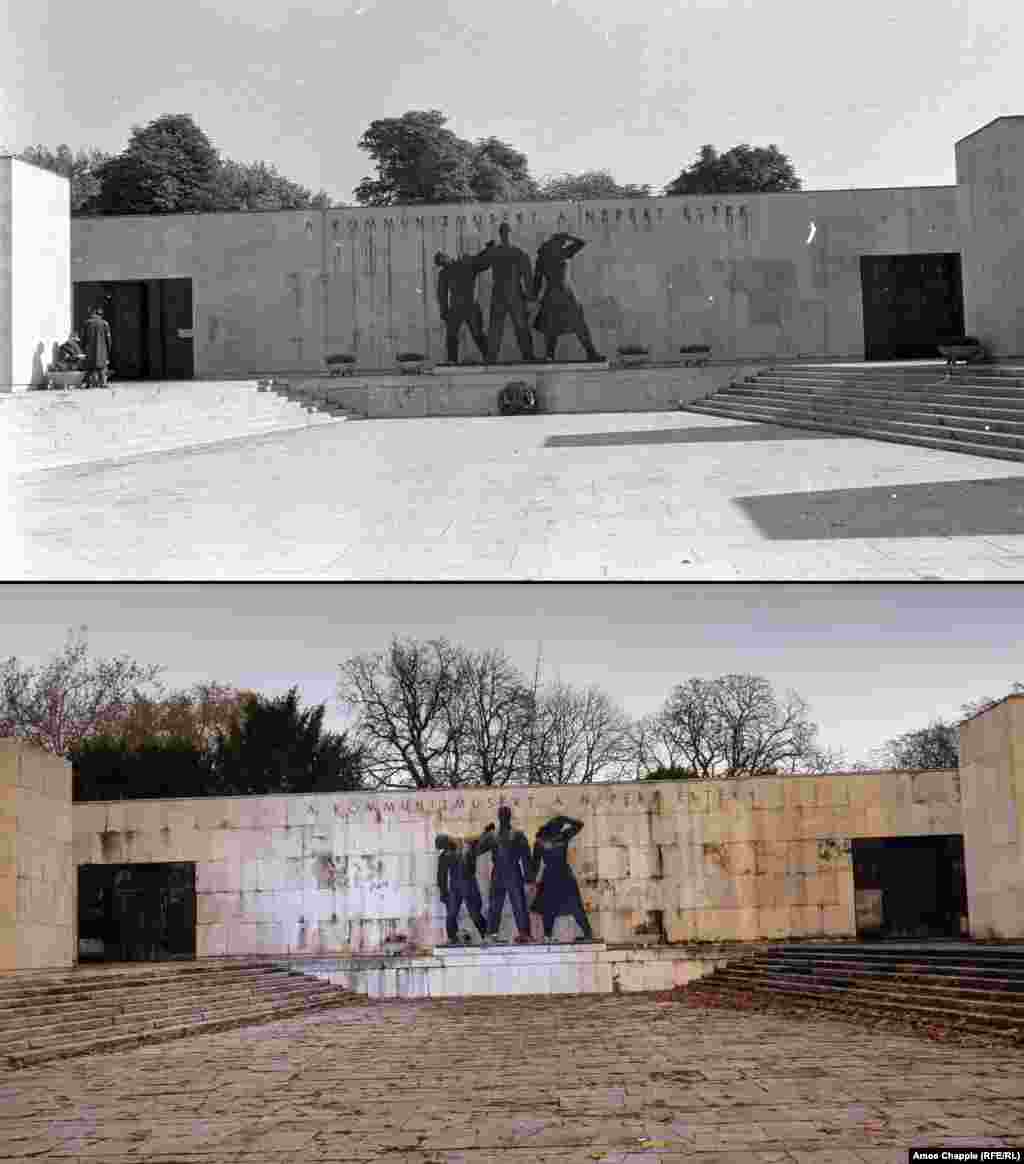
[[873, 661], [866, 94]]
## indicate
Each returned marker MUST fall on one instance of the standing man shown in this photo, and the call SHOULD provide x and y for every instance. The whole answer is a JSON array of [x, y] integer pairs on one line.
[[512, 869], [456, 879], [97, 348], [560, 312], [456, 297], [510, 268]]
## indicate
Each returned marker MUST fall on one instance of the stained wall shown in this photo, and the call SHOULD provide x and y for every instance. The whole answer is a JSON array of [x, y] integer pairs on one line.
[[715, 860], [37, 877], [992, 763], [753, 276]]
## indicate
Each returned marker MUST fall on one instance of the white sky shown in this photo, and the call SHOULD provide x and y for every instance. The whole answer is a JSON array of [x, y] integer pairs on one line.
[[858, 95], [872, 661]]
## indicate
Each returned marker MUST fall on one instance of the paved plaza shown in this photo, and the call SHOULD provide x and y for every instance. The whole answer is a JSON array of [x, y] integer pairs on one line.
[[632, 496], [632, 1079]]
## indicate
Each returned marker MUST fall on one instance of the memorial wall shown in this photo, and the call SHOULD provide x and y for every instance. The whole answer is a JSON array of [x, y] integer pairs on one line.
[[757, 276], [694, 861], [674, 861]]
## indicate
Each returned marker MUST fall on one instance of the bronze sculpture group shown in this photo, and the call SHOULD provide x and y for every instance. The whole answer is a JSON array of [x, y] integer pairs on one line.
[[513, 868], [515, 283]]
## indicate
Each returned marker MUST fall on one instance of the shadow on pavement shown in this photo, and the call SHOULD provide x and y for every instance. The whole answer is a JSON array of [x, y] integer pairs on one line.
[[732, 433], [924, 510]]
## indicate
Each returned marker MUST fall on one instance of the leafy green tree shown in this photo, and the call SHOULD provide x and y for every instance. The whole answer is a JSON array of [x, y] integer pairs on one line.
[[110, 767], [169, 166], [419, 161], [590, 184], [80, 169], [278, 747], [742, 170], [671, 774], [259, 186], [500, 173]]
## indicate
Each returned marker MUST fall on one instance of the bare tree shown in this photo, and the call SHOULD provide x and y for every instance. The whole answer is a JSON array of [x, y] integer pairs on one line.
[[934, 746], [495, 706], [72, 697], [653, 745], [734, 725], [581, 736], [408, 703]]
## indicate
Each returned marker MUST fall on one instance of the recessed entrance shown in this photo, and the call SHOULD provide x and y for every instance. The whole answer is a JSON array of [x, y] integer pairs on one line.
[[150, 324], [910, 887], [137, 913], [910, 303]]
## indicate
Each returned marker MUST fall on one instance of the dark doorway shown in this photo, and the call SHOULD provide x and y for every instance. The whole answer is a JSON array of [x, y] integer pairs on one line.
[[150, 325], [910, 303], [910, 887], [137, 913]]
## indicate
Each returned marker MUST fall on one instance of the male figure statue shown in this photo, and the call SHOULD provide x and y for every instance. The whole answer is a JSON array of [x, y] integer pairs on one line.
[[456, 297], [456, 879], [97, 349], [510, 290], [560, 312], [512, 869]]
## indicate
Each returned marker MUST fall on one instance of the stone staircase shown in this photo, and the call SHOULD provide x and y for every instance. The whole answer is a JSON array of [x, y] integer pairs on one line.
[[49, 1015], [317, 396], [49, 430], [977, 409], [958, 987]]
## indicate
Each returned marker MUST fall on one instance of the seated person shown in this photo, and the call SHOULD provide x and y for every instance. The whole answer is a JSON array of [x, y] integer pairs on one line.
[[70, 356]]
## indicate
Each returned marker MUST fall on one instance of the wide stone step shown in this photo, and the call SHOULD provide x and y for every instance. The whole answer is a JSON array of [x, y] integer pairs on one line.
[[769, 416], [932, 427], [123, 1041], [865, 1004], [1008, 407], [127, 1004], [930, 376], [964, 951], [964, 415], [875, 425], [997, 983], [44, 1033], [98, 987], [937, 368], [944, 1017], [859, 988]]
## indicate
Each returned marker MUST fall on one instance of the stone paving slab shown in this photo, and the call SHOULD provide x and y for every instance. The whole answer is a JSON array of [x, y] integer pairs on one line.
[[494, 499], [628, 1080]]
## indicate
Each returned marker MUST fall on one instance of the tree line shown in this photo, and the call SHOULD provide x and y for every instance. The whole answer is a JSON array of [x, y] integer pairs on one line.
[[170, 166], [427, 714]]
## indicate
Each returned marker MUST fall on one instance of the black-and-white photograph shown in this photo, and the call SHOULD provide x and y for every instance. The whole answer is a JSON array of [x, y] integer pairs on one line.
[[553, 291]]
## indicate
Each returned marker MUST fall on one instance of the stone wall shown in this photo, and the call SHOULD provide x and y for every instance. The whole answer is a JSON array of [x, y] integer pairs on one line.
[[992, 763], [753, 276], [35, 271], [990, 179], [37, 877], [716, 860]]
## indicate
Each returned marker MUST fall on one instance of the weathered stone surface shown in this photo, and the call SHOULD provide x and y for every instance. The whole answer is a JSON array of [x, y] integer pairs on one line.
[[640, 1080]]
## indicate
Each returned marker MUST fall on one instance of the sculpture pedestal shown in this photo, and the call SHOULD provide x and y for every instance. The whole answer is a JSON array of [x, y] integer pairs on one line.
[[537, 968]]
